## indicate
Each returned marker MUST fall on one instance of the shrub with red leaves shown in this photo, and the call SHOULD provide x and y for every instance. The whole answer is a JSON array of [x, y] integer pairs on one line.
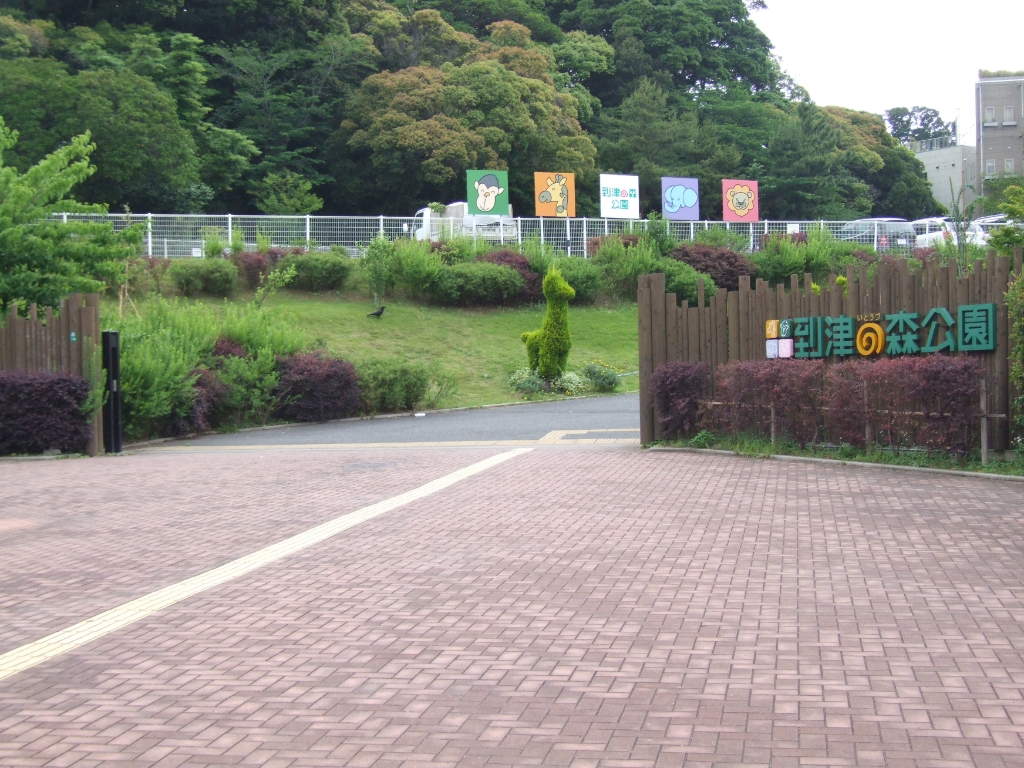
[[794, 237], [749, 389], [252, 266], [724, 266], [677, 388], [41, 412], [225, 347], [533, 283], [593, 243], [209, 398], [928, 401], [317, 388]]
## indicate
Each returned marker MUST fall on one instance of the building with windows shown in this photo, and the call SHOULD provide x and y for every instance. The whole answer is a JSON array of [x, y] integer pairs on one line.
[[950, 168], [999, 100]]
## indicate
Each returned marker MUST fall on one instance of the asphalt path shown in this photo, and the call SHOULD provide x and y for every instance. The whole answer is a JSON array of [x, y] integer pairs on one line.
[[526, 421]]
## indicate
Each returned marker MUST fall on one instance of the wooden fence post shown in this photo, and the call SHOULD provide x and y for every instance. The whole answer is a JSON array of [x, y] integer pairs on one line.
[[984, 422]]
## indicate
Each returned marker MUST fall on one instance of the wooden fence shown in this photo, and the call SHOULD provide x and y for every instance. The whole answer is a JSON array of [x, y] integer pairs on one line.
[[730, 325], [55, 342]]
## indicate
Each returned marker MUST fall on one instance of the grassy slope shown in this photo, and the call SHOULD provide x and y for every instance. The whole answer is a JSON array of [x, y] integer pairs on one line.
[[482, 346]]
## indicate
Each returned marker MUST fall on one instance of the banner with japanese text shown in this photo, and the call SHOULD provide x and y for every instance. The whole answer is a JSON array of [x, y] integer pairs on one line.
[[620, 196], [899, 333]]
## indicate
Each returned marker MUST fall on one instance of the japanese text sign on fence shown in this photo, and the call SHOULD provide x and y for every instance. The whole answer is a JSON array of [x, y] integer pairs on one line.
[[620, 196], [904, 333]]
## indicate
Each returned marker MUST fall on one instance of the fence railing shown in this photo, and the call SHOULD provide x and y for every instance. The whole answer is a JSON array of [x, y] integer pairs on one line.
[[183, 235]]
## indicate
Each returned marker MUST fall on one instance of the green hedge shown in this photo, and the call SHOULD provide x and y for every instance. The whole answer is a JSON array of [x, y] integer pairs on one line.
[[391, 385], [215, 277], [475, 284], [318, 271], [583, 275]]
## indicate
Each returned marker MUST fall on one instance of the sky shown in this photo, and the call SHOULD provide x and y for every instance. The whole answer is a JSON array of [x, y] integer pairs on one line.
[[873, 55]]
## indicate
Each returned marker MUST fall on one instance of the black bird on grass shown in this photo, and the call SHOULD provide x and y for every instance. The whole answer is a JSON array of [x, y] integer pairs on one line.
[[377, 313]]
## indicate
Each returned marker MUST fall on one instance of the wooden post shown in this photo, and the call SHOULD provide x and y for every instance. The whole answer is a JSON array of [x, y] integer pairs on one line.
[[771, 409], [984, 422]]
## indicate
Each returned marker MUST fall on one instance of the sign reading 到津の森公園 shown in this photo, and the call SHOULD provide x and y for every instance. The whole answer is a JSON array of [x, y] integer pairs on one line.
[[740, 200], [555, 194], [487, 192], [620, 196], [680, 200], [901, 333]]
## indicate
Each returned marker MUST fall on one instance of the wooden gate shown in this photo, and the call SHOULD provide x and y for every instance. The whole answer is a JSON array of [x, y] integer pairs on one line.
[[59, 343], [730, 325]]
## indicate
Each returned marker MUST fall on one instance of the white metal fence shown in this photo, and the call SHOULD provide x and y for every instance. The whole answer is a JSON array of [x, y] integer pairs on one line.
[[183, 235]]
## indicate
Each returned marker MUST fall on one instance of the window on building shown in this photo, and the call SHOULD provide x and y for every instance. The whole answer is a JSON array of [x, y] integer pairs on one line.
[[1007, 114], [1008, 165], [990, 114], [990, 167]]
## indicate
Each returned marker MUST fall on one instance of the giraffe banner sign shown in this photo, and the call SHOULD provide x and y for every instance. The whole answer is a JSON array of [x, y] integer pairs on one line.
[[555, 194]]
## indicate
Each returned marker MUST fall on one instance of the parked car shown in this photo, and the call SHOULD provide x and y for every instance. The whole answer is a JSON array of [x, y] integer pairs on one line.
[[934, 231], [882, 234]]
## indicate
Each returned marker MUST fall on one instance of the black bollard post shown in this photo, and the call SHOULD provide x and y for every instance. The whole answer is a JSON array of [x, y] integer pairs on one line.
[[112, 408]]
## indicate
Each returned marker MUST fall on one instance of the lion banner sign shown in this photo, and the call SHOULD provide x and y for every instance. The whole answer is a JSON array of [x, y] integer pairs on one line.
[[555, 194], [739, 200]]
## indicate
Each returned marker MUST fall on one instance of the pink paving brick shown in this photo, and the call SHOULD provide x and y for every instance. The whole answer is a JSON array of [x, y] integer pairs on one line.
[[571, 607]]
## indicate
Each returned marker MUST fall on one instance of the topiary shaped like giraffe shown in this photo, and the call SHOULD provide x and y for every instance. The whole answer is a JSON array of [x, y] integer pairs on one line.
[[547, 349]]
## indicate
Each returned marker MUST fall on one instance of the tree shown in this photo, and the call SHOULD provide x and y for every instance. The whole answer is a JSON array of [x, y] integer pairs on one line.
[[805, 177], [410, 135], [919, 124], [286, 194], [146, 159], [42, 260], [1005, 239]]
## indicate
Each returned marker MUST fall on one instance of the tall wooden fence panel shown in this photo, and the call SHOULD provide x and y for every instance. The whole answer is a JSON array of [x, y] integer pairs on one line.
[[60, 343], [727, 326]]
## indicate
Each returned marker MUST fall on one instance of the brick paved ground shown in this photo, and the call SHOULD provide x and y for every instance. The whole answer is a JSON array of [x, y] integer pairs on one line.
[[583, 607]]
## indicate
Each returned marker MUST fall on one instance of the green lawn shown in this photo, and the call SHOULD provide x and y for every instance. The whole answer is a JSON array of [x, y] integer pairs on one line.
[[482, 346]]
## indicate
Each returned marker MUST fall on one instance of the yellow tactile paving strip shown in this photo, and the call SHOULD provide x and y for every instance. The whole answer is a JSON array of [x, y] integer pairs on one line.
[[86, 631], [556, 437]]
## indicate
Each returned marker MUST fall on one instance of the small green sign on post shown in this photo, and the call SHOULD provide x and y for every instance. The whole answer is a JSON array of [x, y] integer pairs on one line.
[[487, 192]]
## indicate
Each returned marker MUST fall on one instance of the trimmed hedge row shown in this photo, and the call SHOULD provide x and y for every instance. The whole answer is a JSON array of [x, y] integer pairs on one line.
[[41, 412], [928, 401]]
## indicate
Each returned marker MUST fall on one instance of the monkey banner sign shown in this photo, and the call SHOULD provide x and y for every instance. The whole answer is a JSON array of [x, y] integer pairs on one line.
[[487, 192], [900, 333]]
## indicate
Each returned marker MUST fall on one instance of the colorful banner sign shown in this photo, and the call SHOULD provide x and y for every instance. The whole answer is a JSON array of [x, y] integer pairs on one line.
[[620, 196], [900, 333], [739, 200], [487, 192], [555, 194], [679, 199]]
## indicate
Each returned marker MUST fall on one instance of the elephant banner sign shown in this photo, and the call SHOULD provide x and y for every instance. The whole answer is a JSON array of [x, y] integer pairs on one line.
[[680, 200], [555, 194], [740, 200], [620, 196], [487, 192]]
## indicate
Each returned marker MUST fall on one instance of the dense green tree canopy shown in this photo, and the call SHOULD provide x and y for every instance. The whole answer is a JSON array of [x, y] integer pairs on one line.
[[378, 107]]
